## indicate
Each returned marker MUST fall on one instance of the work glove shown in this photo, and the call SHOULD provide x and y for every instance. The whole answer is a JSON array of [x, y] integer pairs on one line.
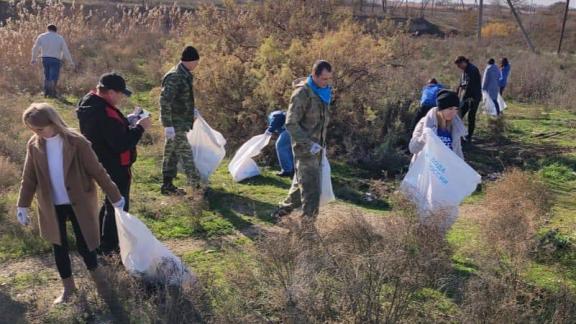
[[315, 148], [22, 215], [120, 204], [169, 132]]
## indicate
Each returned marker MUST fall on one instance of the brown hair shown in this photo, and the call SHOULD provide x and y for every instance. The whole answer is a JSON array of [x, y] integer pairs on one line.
[[43, 115]]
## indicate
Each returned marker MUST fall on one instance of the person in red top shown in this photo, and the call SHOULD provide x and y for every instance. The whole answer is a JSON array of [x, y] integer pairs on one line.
[[114, 141]]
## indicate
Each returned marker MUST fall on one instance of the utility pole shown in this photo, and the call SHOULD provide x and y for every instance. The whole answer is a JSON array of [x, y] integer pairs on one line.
[[563, 26], [519, 22], [480, 14]]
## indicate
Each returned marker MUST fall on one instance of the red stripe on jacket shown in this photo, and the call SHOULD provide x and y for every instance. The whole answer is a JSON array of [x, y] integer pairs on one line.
[[126, 156]]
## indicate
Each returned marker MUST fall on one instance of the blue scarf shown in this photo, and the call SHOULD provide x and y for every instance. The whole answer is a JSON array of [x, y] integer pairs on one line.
[[325, 93]]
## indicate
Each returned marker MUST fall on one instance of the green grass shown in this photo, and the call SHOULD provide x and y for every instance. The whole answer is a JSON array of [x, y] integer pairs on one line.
[[538, 141]]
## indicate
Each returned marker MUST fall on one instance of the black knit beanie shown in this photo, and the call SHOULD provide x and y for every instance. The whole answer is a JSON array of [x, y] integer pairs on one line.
[[190, 54], [447, 99]]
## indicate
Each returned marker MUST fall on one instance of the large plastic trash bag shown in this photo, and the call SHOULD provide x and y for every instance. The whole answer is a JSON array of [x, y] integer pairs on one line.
[[242, 165], [326, 193], [489, 106], [146, 257], [438, 179], [207, 147]]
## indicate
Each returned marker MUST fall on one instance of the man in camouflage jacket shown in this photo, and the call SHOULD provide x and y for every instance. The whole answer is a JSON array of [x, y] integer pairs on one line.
[[177, 116], [307, 121]]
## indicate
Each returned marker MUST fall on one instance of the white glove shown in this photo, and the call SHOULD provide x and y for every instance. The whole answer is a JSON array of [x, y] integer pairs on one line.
[[120, 204], [267, 132], [315, 148], [22, 216], [169, 132]]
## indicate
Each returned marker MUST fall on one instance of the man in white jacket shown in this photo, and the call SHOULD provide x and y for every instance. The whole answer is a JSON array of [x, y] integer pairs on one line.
[[52, 48]]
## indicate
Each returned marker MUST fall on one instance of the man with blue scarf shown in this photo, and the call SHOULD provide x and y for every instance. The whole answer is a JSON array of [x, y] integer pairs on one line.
[[276, 125], [307, 122]]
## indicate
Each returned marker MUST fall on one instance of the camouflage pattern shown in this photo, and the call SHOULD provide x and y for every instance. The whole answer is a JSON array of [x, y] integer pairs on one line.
[[177, 110], [306, 121], [177, 99], [176, 149]]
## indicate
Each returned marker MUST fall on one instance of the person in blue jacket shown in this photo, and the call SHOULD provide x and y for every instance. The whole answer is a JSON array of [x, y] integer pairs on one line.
[[428, 99], [276, 121], [505, 72]]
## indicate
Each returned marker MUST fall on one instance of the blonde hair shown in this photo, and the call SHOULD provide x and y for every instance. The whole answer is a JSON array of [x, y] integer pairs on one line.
[[43, 115], [443, 123]]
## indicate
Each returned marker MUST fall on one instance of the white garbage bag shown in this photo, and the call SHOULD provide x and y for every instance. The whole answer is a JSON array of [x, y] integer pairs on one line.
[[242, 165], [326, 192], [146, 257], [438, 179], [489, 106], [207, 147]]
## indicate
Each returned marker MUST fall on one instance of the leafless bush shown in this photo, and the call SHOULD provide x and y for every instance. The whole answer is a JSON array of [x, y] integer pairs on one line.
[[360, 269], [9, 173], [515, 207]]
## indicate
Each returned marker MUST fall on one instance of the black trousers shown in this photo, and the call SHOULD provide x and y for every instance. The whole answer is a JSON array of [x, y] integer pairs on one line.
[[61, 252], [470, 106], [122, 177], [422, 111]]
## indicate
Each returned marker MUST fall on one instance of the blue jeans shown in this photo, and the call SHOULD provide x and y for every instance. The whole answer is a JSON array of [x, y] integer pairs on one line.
[[497, 106], [51, 74], [284, 152]]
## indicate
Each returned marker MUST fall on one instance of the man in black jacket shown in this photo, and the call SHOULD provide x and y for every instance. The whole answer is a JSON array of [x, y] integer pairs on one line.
[[114, 141], [470, 92]]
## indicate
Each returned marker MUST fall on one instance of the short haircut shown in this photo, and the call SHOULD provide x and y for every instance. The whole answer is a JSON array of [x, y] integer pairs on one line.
[[504, 61], [491, 61], [432, 81], [321, 66], [461, 59], [52, 28]]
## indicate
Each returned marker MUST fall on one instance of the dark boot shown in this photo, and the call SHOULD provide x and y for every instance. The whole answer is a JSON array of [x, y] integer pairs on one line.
[[169, 189]]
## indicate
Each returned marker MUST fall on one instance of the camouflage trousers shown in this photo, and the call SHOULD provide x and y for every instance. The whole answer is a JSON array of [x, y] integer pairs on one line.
[[306, 185], [175, 150]]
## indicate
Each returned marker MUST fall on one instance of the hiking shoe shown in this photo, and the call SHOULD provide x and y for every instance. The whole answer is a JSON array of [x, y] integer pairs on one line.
[[172, 190]]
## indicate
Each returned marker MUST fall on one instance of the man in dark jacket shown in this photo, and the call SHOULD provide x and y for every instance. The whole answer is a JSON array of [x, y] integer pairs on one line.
[[470, 92], [114, 141]]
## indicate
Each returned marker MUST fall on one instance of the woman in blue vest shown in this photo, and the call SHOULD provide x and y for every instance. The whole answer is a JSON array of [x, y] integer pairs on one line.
[[276, 121], [505, 73]]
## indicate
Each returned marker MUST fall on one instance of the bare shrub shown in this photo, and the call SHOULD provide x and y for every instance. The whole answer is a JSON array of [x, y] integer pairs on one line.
[[9, 173], [515, 207], [361, 269]]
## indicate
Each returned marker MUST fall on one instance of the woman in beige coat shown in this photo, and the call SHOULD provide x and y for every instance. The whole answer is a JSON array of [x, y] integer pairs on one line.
[[60, 169]]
